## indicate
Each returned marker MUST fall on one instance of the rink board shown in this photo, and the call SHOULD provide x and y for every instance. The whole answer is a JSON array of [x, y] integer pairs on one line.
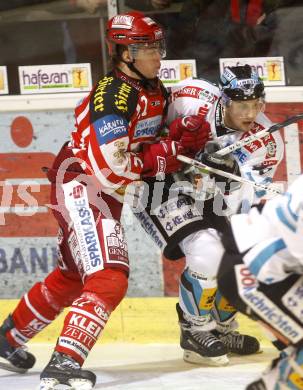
[[136, 320], [32, 131]]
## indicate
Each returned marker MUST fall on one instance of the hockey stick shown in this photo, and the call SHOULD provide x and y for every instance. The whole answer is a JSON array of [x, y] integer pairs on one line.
[[206, 169], [260, 134]]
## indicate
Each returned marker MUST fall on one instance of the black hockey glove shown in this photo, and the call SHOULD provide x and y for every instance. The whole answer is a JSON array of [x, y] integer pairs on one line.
[[224, 163]]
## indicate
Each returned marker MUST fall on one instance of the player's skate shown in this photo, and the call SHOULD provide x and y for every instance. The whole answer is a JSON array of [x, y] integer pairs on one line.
[[16, 359], [64, 370], [238, 343], [200, 346], [235, 342]]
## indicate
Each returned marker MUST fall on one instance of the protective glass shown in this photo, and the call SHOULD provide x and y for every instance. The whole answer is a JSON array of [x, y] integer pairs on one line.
[[246, 109], [145, 50]]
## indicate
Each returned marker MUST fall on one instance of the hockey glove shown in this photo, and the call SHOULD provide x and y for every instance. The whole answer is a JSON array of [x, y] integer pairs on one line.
[[192, 131], [161, 158], [224, 163]]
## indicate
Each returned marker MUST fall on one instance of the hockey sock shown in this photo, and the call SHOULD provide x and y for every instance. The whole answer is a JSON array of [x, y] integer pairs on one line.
[[224, 314], [82, 326], [196, 296], [32, 314], [89, 314]]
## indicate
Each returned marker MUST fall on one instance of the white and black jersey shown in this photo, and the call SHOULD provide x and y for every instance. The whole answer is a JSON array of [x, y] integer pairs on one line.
[[173, 215]]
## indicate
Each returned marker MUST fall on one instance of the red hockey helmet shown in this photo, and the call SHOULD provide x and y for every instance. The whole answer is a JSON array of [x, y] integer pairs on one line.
[[135, 30]]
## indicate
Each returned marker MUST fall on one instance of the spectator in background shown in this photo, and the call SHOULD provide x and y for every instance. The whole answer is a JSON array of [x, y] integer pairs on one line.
[[213, 29], [150, 5], [12, 4], [69, 39], [281, 34], [216, 29], [91, 6], [210, 29]]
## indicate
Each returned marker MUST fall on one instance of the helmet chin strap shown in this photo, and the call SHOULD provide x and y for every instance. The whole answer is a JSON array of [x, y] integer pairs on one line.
[[146, 82]]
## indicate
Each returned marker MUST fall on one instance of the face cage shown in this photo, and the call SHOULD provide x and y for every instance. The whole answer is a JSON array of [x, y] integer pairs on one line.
[[160, 46]]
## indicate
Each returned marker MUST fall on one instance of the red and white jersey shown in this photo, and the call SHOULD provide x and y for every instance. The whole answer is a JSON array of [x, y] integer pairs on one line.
[[257, 161], [192, 97], [112, 123]]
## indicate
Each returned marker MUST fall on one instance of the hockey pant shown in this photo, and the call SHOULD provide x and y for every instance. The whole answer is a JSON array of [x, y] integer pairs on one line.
[[181, 227], [91, 277]]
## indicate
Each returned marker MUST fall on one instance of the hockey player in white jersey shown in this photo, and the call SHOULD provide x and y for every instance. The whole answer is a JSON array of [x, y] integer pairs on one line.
[[183, 226], [261, 273]]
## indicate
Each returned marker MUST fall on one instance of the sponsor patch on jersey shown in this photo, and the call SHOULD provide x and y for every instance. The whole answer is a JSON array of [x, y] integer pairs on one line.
[[193, 92], [100, 91], [176, 213], [264, 307], [207, 95], [240, 156], [114, 242], [196, 93], [121, 98], [110, 128], [148, 127], [293, 299], [149, 226], [83, 240], [271, 148]]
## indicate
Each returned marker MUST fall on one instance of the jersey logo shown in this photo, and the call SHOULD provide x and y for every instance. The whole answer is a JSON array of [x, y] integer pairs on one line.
[[110, 128], [122, 97], [148, 127], [100, 92], [195, 92]]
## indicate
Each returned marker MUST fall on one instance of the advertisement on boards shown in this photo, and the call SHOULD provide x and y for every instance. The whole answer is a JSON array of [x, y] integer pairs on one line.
[[270, 69], [55, 78], [172, 71], [3, 81]]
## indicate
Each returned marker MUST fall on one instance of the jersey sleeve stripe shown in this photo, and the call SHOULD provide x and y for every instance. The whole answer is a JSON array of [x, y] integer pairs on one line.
[[265, 255], [103, 179], [83, 114], [283, 219]]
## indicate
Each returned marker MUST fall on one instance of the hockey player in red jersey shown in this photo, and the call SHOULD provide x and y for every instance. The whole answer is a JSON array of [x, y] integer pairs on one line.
[[115, 142]]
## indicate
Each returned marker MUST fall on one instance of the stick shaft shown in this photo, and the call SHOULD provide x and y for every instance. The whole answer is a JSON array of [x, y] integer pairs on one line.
[[260, 134], [228, 175]]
